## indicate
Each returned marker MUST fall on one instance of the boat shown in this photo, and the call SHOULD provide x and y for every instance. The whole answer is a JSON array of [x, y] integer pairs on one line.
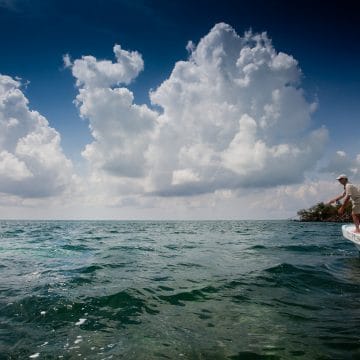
[[348, 233]]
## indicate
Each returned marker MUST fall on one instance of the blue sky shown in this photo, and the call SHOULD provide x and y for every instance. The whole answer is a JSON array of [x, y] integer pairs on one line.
[[322, 37]]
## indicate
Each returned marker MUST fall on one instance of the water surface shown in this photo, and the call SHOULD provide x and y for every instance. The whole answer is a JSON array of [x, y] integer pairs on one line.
[[178, 290]]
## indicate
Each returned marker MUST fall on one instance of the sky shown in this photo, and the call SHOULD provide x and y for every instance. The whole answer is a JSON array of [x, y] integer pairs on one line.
[[159, 109]]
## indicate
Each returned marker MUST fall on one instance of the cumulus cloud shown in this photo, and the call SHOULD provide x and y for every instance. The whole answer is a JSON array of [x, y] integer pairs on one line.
[[32, 163], [233, 115], [121, 129], [90, 72]]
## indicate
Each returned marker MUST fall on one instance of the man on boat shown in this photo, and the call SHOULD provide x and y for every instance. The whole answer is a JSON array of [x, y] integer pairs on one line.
[[351, 192]]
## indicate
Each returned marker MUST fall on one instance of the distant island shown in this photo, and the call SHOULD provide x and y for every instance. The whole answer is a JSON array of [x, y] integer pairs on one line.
[[324, 212]]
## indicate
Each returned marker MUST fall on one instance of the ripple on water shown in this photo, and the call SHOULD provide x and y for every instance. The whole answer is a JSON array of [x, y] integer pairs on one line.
[[307, 278], [88, 269], [249, 355], [78, 247], [177, 290], [180, 298]]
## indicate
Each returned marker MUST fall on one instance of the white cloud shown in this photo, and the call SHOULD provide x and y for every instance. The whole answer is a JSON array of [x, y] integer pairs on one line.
[[12, 168], [32, 163], [67, 61], [233, 116], [234, 127], [341, 163], [90, 72], [184, 176], [286, 200], [121, 129]]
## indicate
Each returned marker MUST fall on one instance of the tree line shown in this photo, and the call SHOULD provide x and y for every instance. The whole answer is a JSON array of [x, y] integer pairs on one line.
[[325, 212]]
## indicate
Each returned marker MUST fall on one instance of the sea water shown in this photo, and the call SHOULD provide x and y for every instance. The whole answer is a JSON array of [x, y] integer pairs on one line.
[[178, 290]]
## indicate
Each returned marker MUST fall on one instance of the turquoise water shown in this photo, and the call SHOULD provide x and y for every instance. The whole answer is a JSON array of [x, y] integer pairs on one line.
[[178, 290]]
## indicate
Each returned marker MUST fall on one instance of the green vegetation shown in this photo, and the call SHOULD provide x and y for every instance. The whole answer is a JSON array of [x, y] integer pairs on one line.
[[323, 212]]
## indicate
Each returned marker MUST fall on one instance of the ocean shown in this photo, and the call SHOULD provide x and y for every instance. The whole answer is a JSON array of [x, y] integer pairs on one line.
[[178, 290]]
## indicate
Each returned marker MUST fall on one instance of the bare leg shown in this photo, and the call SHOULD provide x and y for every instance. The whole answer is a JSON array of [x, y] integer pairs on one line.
[[356, 219]]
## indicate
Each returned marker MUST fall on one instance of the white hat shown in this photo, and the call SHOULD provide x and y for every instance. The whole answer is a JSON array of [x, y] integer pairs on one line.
[[342, 176]]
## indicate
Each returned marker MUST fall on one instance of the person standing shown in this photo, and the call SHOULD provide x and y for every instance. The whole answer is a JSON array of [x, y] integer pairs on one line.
[[351, 192]]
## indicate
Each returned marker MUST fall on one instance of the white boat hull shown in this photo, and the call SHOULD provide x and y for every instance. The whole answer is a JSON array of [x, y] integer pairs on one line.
[[348, 233]]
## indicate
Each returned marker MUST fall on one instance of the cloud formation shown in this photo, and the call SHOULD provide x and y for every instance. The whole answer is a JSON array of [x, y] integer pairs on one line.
[[90, 72], [32, 164], [233, 116], [121, 129]]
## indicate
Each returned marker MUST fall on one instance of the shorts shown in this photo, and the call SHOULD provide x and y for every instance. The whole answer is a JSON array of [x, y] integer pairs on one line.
[[356, 208]]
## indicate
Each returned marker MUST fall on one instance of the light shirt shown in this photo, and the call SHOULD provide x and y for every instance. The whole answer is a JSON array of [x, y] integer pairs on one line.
[[354, 193]]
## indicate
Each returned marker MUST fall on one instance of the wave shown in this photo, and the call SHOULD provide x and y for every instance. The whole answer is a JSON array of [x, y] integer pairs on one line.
[[303, 248], [77, 247], [257, 247], [132, 248], [250, 355], [305, 279], [161, 291], [195, 295]]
